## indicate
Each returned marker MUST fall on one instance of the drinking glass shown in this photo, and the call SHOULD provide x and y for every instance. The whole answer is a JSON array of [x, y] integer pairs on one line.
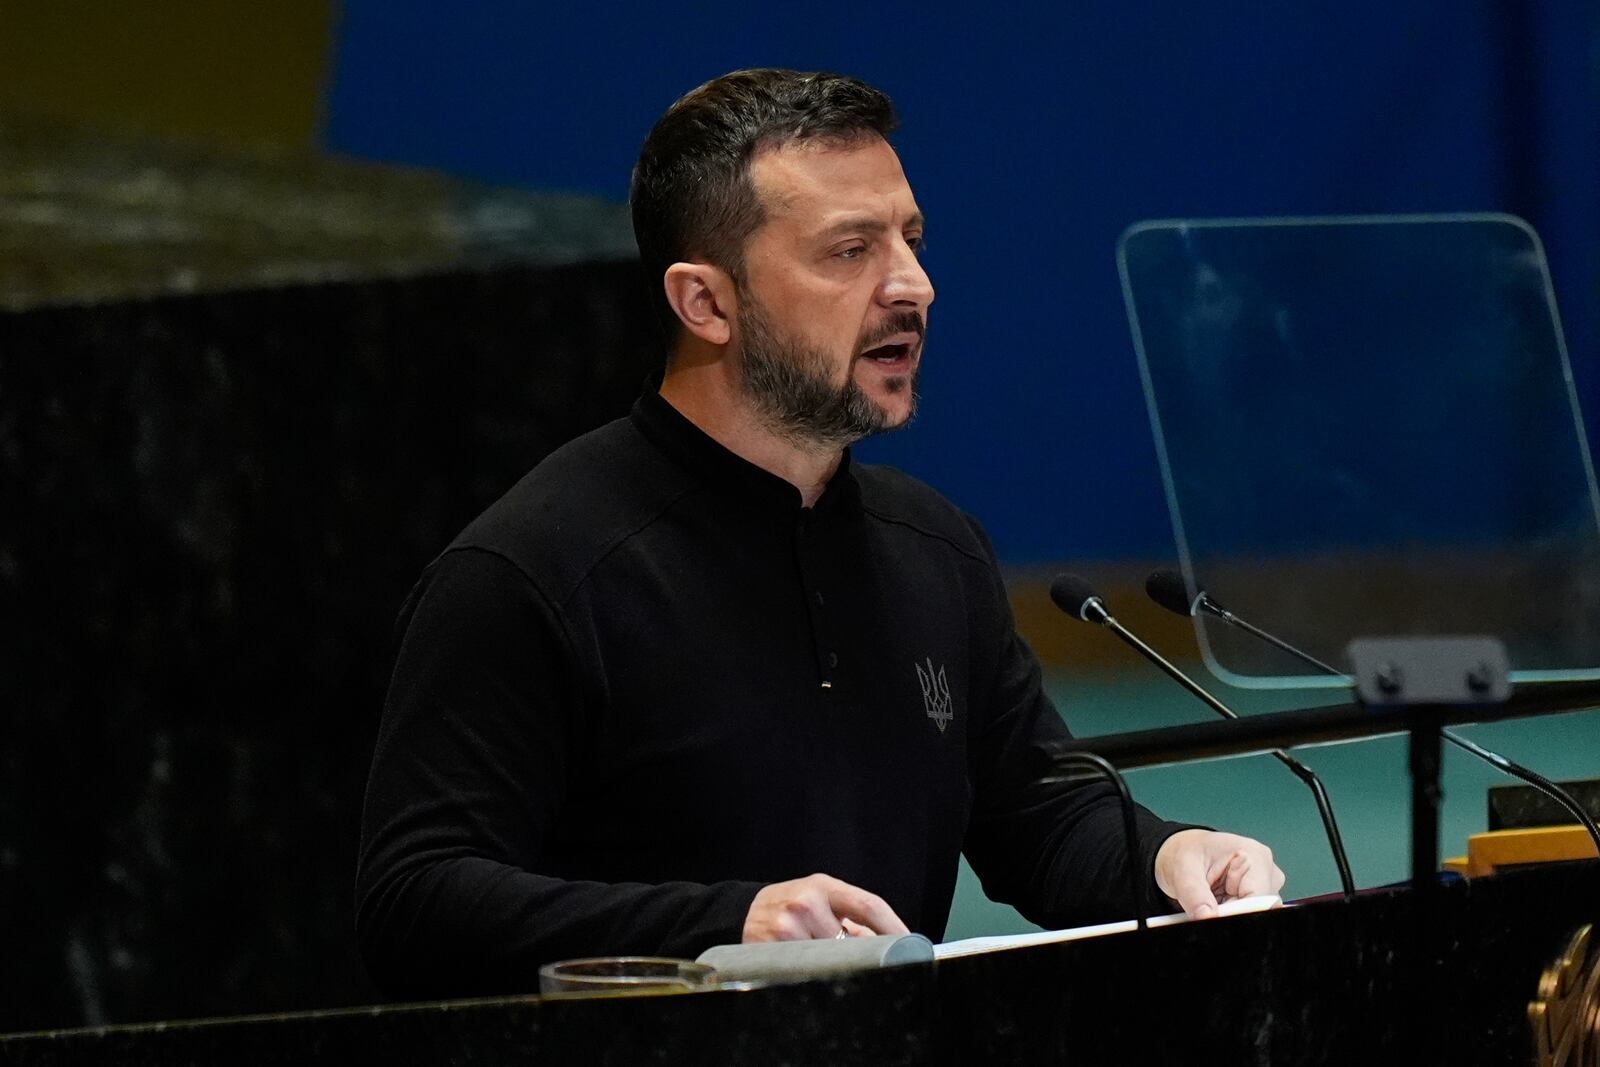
[[624, 975]]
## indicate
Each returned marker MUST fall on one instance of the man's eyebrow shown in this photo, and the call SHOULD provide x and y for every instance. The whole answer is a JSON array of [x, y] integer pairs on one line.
[[870, 224]]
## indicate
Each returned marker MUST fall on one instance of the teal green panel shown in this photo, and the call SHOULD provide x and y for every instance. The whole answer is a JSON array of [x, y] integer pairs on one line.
[[1367, 782]]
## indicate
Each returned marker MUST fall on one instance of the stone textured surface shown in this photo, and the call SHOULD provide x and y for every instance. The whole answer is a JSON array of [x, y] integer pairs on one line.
[[1517, 806], [87, 215], [211, 508]]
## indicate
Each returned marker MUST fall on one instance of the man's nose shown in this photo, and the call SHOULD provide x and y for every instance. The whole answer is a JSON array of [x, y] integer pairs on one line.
[[907, 284]]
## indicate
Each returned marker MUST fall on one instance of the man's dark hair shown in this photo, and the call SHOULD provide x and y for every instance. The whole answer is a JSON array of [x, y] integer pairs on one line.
[[692, 195]]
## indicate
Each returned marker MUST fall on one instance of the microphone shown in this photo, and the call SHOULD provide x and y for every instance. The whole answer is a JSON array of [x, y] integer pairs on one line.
[[1167, 588], [1076, 597]]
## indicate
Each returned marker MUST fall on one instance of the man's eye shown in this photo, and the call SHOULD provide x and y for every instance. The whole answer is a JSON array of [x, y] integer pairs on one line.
[[917, 244], [853, 252]]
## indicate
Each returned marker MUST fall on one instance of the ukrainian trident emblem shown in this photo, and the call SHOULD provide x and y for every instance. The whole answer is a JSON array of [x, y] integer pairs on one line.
[[935, 694]]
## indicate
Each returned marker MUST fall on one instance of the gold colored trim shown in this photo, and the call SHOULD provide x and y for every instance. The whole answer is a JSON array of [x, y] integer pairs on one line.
[[1538, 844], [1566, 1015]]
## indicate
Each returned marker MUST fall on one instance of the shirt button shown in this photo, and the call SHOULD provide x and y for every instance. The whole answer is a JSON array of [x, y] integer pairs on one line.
[[833, 659], [818, 596]]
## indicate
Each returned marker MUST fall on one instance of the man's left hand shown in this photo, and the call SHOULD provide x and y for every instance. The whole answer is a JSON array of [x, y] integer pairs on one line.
[[1202, 868]]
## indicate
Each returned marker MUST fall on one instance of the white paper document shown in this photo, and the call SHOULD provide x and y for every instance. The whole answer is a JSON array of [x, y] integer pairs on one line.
[[973, 945]]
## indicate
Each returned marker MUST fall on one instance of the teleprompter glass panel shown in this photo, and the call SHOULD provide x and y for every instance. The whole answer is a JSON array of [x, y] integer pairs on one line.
[[1367, 427]]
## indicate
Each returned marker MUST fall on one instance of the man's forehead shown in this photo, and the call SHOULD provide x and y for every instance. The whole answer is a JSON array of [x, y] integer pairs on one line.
[[811, 181]]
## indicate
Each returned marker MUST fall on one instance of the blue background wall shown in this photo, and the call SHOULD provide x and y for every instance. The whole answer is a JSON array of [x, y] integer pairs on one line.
[[1033, 134]]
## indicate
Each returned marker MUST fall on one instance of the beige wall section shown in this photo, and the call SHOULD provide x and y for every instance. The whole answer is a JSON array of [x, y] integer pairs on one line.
[[223, 71]]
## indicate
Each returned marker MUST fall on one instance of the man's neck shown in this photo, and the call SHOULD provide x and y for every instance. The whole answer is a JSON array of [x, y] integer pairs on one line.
[[706, 395]]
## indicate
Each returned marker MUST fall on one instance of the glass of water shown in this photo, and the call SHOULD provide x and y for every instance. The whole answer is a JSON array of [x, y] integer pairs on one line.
[[624, 975]]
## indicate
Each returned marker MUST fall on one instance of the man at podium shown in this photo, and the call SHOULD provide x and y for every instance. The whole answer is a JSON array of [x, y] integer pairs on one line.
[[700, 678]]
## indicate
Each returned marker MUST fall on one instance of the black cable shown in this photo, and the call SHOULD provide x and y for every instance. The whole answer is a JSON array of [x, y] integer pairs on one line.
[[1533, 778], [1130, 829], [1329, 826]]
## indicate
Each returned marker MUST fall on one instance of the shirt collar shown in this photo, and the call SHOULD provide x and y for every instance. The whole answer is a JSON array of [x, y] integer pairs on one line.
[[668, 429]]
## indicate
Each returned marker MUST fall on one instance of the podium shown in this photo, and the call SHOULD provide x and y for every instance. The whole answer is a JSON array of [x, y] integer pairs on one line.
[[1390, 977]]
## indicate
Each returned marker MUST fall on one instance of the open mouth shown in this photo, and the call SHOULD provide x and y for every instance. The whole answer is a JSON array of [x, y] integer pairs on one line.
[[888, 353]]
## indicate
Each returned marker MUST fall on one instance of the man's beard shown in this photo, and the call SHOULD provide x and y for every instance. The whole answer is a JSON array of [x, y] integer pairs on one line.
[[790, 384]]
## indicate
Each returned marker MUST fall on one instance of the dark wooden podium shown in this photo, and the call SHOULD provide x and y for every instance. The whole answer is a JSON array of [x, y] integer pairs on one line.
[[1438, 977]]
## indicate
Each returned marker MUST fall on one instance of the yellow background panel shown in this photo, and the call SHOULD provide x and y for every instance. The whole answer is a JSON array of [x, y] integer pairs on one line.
[[215, 70]]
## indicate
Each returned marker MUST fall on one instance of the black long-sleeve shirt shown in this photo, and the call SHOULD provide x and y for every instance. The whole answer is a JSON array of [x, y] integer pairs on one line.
[[648, 682]]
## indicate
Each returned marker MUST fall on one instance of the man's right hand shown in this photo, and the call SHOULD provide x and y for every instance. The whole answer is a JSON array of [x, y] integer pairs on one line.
[[817, 907]]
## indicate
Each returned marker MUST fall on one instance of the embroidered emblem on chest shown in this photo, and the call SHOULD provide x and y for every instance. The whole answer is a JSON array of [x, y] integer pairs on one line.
[[935, 694]]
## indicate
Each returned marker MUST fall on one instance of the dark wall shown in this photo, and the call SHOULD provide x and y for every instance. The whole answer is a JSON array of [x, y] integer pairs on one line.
[[1033, 134], [211, 508]]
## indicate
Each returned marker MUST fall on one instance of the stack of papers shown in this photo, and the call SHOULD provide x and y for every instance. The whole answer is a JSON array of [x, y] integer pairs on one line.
[[972, 946]]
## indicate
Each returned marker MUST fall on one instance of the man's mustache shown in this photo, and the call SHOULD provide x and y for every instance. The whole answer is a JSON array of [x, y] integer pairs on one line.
[[898, 322]]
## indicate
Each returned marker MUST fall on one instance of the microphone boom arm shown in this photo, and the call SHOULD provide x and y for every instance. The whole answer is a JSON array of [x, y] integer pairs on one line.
[[1203, 602], [1094, 607]]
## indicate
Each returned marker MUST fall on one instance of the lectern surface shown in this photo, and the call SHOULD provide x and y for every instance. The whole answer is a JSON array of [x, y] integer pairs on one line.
[[1443, 976]]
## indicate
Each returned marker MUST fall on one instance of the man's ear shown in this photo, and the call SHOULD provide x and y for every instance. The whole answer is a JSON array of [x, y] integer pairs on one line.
[[702, 296]]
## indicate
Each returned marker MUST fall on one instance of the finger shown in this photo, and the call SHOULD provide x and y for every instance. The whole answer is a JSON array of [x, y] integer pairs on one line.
[[1191, 888], [1260, 877], [807, 915], [855, 929], [815, 914], [770, 921], [1235, 878], [1217, 868], [869, 909]]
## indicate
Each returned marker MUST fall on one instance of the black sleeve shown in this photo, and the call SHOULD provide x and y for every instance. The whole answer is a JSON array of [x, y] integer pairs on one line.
[[469, 774], [1055, 852]]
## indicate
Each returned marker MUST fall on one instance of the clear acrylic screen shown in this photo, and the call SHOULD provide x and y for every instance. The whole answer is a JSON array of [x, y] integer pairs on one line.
[[1367, 428]]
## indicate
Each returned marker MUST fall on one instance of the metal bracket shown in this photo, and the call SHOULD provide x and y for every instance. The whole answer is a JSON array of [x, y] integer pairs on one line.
[[1394, 671]]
